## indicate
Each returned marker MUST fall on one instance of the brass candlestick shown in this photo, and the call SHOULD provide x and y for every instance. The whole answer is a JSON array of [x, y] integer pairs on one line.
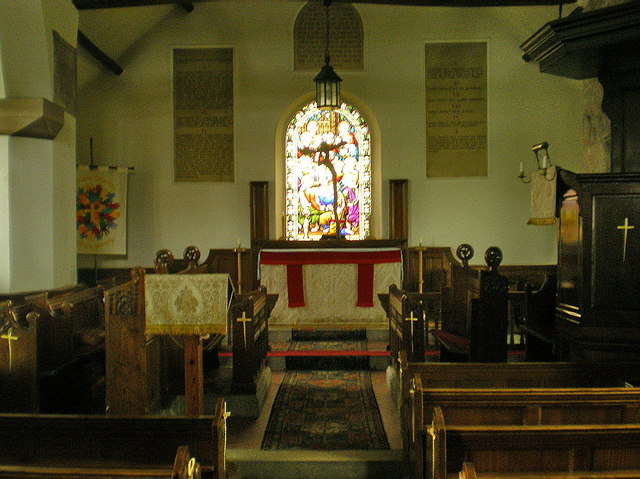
[[238, 251], [420, 249]]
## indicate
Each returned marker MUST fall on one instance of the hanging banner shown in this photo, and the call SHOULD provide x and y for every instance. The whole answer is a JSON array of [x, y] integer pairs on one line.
[[101, 210]]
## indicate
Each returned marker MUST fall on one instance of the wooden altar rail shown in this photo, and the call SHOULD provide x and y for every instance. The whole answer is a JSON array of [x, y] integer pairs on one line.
[[475, 313], [55, 352], [72, 446], [565, 451], [515, 393]]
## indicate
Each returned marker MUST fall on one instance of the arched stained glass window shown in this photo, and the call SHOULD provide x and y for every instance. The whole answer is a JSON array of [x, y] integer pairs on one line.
[[327, 152]]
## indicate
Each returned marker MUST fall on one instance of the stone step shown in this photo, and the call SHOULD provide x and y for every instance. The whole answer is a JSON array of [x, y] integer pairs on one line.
[[298, 464]]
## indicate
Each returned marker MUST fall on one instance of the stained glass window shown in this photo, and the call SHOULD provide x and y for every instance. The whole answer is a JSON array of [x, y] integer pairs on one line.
[[328, 174]]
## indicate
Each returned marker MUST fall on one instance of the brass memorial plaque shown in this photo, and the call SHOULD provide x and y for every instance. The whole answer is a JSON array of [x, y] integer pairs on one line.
[[203, 114], [456, 108]]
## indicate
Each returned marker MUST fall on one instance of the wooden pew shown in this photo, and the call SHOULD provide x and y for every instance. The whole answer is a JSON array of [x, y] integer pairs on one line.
[[514, 375], [250, 332], [408, 315], [475, 313], [475, 406], [77, 382], [469, 472], [185, 466], [181, 466], [480, 382], [64, 354], [73, 446], [530, 451], [19, 371], [538, 320], [133, 358]]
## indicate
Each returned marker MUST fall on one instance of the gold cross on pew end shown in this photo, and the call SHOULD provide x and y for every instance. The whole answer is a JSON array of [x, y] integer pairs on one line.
[[413, 319], [9, 337], [244, 320], [625, 227]]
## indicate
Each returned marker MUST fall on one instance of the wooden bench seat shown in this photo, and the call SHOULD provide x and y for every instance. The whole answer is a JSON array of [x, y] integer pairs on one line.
[[56, 363], [469, 472], [529, 449], [37, 441], [522, 407], [178, 469], [515, 393], [529, 406], [408, 315]]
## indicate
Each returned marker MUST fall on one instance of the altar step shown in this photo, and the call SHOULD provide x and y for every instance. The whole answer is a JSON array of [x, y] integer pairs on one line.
[[296, 464], [329, 350]]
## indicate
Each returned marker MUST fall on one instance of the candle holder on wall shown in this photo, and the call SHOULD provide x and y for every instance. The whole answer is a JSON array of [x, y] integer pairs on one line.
[[542, 163]]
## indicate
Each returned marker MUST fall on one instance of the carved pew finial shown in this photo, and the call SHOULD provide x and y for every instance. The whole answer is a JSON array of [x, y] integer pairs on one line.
[[163, 261], [464, 254], [192, 256], [493, 257]]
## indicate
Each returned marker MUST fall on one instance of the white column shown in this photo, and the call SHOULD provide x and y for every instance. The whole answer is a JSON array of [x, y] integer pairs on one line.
[[37, 176]]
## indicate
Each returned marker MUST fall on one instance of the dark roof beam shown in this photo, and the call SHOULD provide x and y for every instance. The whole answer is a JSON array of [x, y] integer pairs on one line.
[[95, 4], [98, 54]]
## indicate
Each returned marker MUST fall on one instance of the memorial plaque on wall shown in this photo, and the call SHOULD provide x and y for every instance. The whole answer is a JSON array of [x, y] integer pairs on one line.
[[203, 114], [346, 44], [456, 108], [64, 74]]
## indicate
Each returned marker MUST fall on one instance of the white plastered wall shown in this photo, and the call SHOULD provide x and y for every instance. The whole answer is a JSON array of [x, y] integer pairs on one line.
[[130, 119], [37, 192]]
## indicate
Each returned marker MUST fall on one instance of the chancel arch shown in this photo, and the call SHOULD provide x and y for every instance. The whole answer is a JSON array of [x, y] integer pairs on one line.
[[304, 185]]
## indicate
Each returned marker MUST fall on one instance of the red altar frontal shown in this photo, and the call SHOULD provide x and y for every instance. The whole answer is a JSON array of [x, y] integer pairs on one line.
[[329, 287]]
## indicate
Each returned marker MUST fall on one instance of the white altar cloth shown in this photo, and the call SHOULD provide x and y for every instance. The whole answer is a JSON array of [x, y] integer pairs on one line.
[[332, 286]]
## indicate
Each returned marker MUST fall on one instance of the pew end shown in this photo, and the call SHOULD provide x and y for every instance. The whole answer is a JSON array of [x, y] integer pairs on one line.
[[475, 324]]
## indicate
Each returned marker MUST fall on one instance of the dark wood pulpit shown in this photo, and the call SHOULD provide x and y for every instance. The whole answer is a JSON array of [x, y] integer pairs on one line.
[[598, 304]]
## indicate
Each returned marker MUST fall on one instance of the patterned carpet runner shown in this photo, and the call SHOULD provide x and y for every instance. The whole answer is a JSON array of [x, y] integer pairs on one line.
[[326, 402], [327, 349], [325, 410], [341, 357]]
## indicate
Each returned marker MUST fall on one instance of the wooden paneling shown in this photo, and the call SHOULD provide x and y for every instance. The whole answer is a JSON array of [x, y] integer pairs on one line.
[[398, 209], [259, 210]]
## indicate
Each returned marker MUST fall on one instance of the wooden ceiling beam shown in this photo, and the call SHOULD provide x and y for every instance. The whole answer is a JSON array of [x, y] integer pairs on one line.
[[98, 54], [96, 4], [465, 3]]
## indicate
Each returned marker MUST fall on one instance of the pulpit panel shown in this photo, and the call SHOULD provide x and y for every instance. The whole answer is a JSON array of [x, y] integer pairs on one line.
[[616, 252], [598, 303], [570, 255]]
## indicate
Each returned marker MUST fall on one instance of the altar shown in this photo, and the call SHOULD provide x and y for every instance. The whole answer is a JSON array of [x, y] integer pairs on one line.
[[329, 287]]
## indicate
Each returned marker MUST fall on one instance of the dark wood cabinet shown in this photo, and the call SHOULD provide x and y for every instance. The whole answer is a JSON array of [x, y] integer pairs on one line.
[[598, 304]]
